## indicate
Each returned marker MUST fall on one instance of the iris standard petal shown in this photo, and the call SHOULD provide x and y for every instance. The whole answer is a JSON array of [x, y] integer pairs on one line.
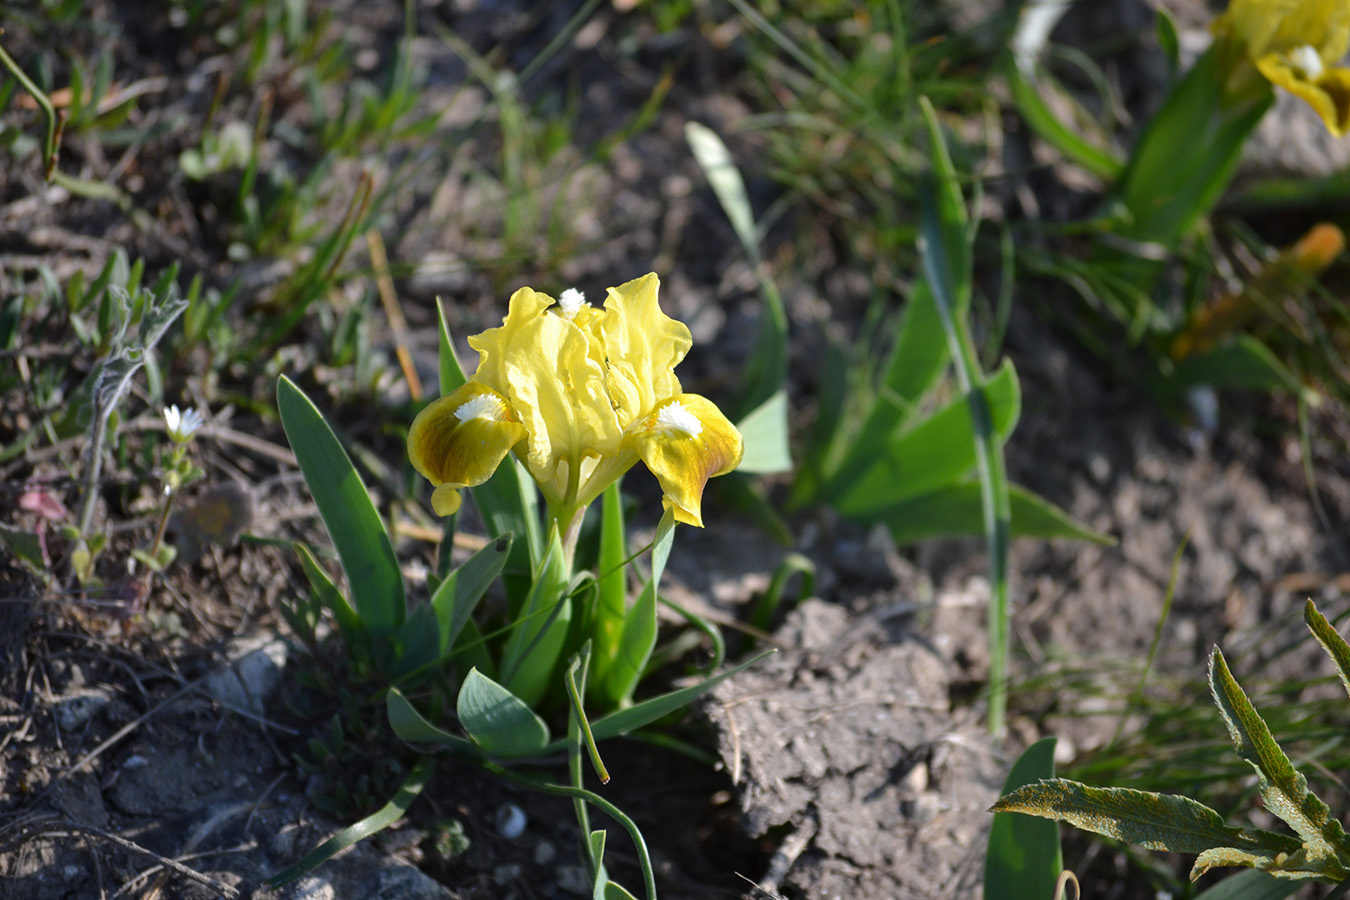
[[685, 440], [459, 440], [642, 347]]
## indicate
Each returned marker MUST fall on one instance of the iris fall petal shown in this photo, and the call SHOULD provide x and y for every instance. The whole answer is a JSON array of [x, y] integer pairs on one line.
[[684, 441], [459, 440]]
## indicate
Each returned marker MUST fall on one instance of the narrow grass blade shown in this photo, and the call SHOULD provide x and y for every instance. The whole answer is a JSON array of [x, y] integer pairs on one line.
[[1155, 821], [498, 721], [1047, 126], [1331, 641], [344, 504], [1024, 856], [944, 248], [1284, 789], [378, 821], [768, 369]]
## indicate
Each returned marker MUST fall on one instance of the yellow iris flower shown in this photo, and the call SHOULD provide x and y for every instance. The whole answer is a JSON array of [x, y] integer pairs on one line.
[[580, 394], [1297, 45]]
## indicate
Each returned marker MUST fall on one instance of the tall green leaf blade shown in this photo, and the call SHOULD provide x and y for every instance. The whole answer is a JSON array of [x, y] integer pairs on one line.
[[348, 622], [1331, 641], [498, 721], [1024, 857], [1283, 788], [450, 369], [768, 372], [537, 638], [958, 510], [1156, 821], [359, 535], [459, 593], [639, 626], [937, 451], [611, 587]]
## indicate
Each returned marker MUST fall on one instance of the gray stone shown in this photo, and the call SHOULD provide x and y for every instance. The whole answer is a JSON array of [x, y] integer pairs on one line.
[[247, 683]]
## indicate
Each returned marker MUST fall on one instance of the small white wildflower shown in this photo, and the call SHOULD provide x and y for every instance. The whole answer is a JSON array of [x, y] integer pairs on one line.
[[180, 424], [570, 301]]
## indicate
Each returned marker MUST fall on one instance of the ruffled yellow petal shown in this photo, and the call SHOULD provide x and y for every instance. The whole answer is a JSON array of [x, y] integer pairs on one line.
[[459, 440], [642, 347], [685, 440], [551, 370], [1328, 93]]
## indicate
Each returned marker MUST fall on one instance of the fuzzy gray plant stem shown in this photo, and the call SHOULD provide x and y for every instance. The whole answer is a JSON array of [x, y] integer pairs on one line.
[[104, 404]]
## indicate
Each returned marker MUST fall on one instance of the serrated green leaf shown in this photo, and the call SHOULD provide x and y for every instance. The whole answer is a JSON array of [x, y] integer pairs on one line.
[[1331, 641], [346, 508], [1283, 788], [498, 721], [1024, 857], [1156, 821]]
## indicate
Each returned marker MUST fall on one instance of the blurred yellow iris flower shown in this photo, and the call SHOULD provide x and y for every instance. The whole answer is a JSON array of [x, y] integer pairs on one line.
[[1297, 45], [580, 394]]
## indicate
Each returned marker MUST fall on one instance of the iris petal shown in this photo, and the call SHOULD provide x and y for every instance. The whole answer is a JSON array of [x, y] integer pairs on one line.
[[642, 347], [685, 440], [459, 440]]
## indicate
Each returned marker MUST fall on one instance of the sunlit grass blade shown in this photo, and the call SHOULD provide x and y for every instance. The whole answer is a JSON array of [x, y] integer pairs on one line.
[[1024, 855], [378, 821], [1047, 126], [768, 368], [606, 629], [945, 252], [358, 533]]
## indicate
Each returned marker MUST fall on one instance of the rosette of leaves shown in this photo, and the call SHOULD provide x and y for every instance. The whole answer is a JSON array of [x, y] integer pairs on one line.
[[1317, 850]]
